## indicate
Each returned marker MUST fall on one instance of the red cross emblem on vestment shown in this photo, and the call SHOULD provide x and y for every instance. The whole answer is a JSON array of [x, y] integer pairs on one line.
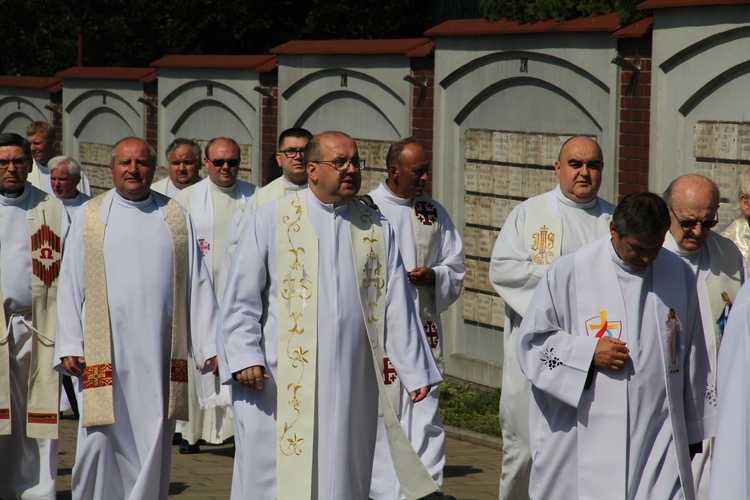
[[205, 247], [46, 248], [426, 212], [389, 373], [431, 330]]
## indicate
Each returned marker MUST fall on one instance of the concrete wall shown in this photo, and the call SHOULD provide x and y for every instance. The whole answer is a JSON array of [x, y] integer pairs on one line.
[[21, 106]]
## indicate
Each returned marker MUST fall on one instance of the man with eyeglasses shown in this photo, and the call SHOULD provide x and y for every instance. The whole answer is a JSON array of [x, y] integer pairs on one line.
[[693, 202], [536, 233], [211, 203], [433, 256], [183, 158], [315, 292], [31, 236]]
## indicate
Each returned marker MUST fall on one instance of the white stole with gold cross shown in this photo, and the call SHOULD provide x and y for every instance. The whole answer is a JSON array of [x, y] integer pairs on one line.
[[98, 401], [297, 272]]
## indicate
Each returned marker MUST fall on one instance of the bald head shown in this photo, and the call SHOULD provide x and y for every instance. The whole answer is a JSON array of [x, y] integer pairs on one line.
[[579, 169], [693, 201]]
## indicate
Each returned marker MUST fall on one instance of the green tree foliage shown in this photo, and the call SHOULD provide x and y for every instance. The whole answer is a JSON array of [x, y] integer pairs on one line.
[[531, 11]]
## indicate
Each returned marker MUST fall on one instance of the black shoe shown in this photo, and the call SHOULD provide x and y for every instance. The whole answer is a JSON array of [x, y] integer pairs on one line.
[[438, 496], [189, 449], [176, 439]]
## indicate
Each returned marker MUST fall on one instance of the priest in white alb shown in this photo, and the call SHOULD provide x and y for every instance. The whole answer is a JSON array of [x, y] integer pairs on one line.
[[433, 257], [537, 232], [612, 343], [136, 296], [183, 167], [31, 242], [693, 202], [316, 294], [41, 136], [65, 175], [738, 230], [211, 203], [291, 160]]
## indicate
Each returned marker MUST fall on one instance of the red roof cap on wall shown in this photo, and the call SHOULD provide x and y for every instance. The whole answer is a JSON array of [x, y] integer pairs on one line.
[[665, 4], [143, 75], [635, 30], [356, 47], [30, 82], [215, 62], [467, 27]]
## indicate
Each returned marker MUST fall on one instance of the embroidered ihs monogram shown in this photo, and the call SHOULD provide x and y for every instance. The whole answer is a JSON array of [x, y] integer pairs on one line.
[[544, 242]]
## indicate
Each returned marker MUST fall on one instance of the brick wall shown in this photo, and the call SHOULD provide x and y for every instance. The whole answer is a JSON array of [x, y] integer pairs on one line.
[[634, 117], [269, 132], [423, 105], [151, 95]]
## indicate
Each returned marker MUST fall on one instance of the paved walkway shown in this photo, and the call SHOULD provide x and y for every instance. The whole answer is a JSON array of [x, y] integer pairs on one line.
[[472, 471]]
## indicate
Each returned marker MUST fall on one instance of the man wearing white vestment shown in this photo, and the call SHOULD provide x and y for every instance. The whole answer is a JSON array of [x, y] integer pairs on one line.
[[183, 167], [31, 236], [536, 232], [211, 203], [309, 268], [65, 175], [136, 295], [731, 460], [41, 136], [433, 256], [612, 343], [291, 160], [693, 201], [739, 229]]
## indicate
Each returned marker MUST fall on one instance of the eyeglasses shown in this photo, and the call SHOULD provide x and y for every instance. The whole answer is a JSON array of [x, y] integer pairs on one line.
[[690, 223], [341, 164], [220, 162], [17, 162], [291, 153]]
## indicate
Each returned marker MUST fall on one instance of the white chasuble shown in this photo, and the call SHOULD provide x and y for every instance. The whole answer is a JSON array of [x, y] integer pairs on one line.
[[619, 434]]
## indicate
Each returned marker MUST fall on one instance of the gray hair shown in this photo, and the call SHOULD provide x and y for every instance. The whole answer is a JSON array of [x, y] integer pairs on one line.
[[181, 141], [60, 161], [743, 184]]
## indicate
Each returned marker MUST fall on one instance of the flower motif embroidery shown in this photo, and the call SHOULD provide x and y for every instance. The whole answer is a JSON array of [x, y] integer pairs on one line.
[[549, 359], [711, 395]]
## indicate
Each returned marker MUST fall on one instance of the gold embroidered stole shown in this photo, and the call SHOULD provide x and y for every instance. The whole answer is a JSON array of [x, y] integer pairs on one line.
[[98, 403], [543, 229], [427, 227], [297, 271], [46, 253]]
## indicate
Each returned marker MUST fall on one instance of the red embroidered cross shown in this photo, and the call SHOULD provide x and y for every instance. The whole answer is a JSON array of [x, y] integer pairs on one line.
[[431, 330], [205, 247], [389, 373], [426, 212]]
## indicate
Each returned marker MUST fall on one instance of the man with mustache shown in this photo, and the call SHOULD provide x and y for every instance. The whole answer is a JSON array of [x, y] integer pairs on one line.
[[134, 292], [537, 232], [693, 202], [211, 203], [433, 256]]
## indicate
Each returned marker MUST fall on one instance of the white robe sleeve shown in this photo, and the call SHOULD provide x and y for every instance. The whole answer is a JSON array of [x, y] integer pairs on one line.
[[512, 273], [449, 267], [240, 331], [71, 295], [405, 343], [202, 305], [731, 460], [552, 356]]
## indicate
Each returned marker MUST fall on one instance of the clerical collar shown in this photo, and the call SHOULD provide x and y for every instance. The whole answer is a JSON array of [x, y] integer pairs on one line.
[[394, 198], [15, 195], [570, 203], [328, 207], [671, 244], [290, 186], [638, 271], [226, 190], [121, 200]]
